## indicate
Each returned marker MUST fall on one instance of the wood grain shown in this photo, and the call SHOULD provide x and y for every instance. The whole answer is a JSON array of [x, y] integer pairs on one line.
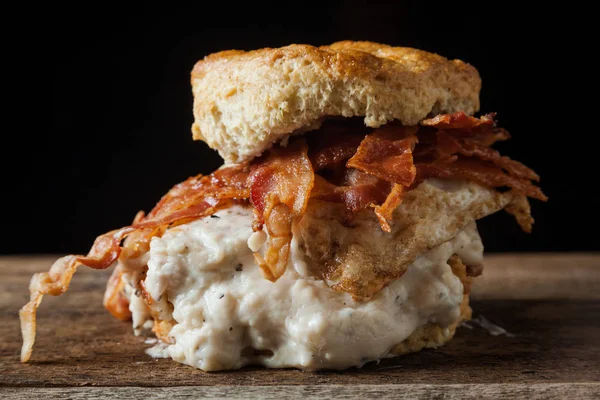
[[402, 391], [550, 302]]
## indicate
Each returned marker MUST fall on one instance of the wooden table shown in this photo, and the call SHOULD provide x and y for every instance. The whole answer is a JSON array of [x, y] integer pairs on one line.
[[549, 302]]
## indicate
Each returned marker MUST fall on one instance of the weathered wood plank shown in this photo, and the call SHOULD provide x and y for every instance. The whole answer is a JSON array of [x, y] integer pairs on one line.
[[539, 276], [555, 320], [407, 391]]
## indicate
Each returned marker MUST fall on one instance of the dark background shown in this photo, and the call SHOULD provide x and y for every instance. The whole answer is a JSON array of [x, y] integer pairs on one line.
[[109, 107]]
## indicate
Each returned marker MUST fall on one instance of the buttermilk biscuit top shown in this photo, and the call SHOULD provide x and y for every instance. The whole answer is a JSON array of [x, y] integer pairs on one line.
[[246, 101]]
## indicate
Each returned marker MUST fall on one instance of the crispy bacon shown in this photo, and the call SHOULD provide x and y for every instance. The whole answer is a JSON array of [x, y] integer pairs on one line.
[[334, 144], [56, 281], [472, 148], [459, 149], [460, 120], [489, 137], [198, 197], [194, 198], [384, 212], [357, 192], [355, 170], [482, 172], [115, 300], [280, 186], [387, 154]]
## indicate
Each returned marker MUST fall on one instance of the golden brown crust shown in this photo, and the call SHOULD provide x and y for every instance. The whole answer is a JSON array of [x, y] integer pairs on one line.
[[246, 101], [460, 270], [432, 335]]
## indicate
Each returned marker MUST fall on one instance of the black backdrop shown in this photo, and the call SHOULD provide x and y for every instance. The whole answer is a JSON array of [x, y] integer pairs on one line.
[[110, 108]]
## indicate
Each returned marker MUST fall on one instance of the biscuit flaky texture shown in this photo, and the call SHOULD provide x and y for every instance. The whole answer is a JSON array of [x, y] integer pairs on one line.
[[246, 101]]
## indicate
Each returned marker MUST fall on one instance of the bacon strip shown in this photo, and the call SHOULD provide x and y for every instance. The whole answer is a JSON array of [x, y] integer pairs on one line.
[[196, 197], [460, 120], [387, 154], [378, 169], [280, 186], [334, 144], [488, 138], [56, 281], [115, 300], [481, 172], [359, 191], [472, 148], [385, 211]]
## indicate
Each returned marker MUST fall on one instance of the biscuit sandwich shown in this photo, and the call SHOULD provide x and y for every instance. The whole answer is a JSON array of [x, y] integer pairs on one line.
[[341, 228]]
